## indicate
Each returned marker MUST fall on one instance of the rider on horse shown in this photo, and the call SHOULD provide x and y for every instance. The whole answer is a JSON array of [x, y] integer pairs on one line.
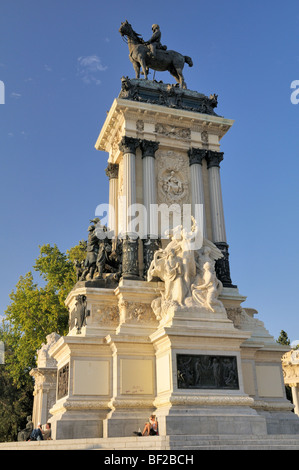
[[155, 41]]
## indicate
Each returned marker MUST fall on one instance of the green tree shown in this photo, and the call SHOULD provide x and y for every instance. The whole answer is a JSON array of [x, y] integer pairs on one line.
[[57, 268], [283, 338], [34, 312], [15, 405]]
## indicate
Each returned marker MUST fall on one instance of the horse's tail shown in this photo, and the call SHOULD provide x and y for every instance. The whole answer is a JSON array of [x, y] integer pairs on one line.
[[189, 61]]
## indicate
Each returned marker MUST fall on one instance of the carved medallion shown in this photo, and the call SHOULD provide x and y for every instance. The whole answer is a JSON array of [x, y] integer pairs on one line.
[[172, 171]]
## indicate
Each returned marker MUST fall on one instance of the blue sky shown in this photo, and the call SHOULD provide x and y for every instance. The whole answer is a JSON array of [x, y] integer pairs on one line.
[[61, 62]]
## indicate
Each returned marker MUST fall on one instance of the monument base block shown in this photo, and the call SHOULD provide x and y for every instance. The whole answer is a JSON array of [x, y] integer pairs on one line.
[[207, 420], [123, 423], [77, 424], [200, 372]]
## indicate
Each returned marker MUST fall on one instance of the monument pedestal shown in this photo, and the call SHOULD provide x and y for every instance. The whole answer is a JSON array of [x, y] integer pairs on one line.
[[134, 384], [199, 377], [179, 348], [84, 387]]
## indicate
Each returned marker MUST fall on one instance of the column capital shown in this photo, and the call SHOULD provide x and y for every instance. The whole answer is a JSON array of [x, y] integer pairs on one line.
[[148, 147], [129, 144], [196, 155], [112, 171], [214, 158]]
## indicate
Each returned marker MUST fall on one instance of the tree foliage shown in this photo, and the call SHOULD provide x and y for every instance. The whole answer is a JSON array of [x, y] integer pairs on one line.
[[283, 338], [15, 405], [34, 312]]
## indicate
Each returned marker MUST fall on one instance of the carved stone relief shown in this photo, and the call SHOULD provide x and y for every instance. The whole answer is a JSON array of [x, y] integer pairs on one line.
[[140, 125], [106, 314], [204, 371], [172, 175], [136, 312], [63, 382], [174, 132], [205, 137]]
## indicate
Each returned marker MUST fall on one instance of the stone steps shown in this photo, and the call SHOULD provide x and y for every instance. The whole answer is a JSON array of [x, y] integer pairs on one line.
[[158, 443]]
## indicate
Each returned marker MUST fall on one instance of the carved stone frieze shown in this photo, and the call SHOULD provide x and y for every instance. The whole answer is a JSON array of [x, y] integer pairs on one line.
[[290, 366], [173, 132], [136, 312], [107, 314]]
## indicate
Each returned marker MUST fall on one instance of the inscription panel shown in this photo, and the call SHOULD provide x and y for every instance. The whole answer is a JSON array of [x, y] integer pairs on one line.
[[207, 371]]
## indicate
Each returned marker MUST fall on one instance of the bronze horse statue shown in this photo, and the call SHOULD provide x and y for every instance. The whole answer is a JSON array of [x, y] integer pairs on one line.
[[142, 58]]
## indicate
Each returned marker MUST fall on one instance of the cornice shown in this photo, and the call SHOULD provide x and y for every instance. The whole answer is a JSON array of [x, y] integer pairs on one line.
[[122, 110]]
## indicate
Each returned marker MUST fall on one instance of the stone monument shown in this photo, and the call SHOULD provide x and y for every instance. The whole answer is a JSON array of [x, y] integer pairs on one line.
[[290, 366], [156, 323]]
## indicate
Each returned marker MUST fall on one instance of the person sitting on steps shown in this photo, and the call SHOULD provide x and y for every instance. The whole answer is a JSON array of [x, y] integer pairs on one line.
[[150, 428]]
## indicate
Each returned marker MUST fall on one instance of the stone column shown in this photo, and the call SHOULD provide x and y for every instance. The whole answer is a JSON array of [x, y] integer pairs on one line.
[[112, 173], [217, 215], [151, 243], [45, 378], [130, 265], [128, 146], [197, 189]]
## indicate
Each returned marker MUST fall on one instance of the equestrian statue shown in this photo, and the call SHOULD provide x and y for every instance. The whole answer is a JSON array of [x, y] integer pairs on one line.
[[151, 54]]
